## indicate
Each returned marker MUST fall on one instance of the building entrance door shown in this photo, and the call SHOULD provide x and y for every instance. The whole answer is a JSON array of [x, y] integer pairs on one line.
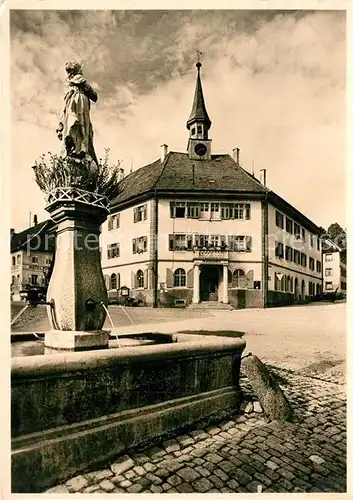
[[209, 280]]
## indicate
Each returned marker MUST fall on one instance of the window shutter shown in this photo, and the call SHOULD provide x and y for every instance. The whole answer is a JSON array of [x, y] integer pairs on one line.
[[189, 241], [134, 245], [108, 253], [169, 278], [197, 240], [110, 223], [145, 243], [190, 278], [248, 243], [197, 211], [118, 280], [250, 279], [145, 212], [135, 214], [145, 278], [247, 211], [106, 281], [133, 280], [223, 239], [171, 241], [172, 209]]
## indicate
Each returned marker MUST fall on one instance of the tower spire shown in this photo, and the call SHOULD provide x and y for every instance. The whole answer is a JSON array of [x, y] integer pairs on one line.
[[198, 111]]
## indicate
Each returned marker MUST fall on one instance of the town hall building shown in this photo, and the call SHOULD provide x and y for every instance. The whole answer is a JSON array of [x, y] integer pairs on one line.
[[196, 227]]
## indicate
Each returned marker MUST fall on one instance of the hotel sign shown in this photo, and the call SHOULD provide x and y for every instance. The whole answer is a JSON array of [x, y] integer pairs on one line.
[[34, 267]]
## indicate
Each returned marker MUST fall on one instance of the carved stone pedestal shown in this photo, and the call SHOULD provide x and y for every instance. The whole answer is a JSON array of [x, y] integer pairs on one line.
[[77, 288]]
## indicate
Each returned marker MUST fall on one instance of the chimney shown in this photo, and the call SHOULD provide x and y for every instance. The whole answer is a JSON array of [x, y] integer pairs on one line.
[[236, 152], [263, 176], [35, 219], [164, 152]]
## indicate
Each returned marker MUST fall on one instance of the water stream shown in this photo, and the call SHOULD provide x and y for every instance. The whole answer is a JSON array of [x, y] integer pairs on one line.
[[111, 321], [127, 314], [19, 314]]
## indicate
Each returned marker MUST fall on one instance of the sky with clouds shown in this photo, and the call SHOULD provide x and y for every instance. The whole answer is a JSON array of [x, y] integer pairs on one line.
[[274, 85]]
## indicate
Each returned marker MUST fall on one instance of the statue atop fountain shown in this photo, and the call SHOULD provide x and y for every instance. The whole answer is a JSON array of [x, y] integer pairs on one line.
[[78, 190], [75, 128]]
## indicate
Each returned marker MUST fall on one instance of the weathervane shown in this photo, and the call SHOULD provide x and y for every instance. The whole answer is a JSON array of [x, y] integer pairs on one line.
[[199, 53]]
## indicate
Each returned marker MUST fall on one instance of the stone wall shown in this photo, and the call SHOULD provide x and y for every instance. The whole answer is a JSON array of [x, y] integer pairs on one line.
[[276, 299], [241, 299], [72, 410]]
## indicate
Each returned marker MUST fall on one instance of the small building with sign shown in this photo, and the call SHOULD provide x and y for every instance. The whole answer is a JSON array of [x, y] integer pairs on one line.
[[32, 253], [195, 227]]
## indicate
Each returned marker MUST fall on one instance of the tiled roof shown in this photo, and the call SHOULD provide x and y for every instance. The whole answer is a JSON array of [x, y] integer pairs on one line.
[[37, 233], [176, 173], [220, 175]]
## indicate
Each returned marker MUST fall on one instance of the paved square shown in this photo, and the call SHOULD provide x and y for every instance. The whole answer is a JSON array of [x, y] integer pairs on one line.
[[308, 455]]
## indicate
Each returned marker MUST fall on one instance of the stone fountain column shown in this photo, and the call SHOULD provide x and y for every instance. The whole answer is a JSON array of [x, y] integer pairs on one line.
[[77, 288]]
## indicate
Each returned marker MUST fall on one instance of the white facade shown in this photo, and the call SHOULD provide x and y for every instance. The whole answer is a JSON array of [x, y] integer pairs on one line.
[[129, 259], [207, 227], [334, 272], [296, 266]]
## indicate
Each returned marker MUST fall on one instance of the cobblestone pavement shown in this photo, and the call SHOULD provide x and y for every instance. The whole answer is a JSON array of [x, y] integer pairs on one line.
[[245, 454]]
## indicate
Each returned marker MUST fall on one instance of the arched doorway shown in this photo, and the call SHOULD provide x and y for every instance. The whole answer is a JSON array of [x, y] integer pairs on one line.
[[303, 289], [296, 288]]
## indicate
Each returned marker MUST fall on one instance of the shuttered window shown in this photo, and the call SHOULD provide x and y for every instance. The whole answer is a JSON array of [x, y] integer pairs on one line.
[[140, 213], [113, 250], [140, 279], [139, 245], [240, 243], [179, 277]]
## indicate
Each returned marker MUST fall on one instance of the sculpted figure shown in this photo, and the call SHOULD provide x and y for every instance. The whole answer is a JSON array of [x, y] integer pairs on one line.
[[75, 127]]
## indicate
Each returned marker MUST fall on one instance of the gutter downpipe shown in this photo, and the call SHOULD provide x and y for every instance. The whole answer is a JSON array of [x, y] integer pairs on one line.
[[155, 252], [265, 250]]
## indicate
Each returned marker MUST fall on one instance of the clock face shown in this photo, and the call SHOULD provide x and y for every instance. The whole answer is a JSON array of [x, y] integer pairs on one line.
[[200, 149]]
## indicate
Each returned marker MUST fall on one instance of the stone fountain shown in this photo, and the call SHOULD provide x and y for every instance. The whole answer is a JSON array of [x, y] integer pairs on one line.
[[71, 411]]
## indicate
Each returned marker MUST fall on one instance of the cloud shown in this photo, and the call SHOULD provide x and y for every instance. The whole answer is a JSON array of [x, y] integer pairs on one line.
[[274, 85]]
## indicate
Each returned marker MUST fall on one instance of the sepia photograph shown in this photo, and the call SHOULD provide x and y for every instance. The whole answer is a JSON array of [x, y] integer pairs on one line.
[[177, 176]]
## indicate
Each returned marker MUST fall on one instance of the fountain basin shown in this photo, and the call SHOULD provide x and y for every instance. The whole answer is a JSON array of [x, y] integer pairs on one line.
[[76, 409]]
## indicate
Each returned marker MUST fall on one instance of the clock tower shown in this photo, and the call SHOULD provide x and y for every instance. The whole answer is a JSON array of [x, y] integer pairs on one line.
[[198, 124]]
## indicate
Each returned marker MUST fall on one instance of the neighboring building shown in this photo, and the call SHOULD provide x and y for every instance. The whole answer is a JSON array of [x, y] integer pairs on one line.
[[196, 226], [31, 257], [334, 268]]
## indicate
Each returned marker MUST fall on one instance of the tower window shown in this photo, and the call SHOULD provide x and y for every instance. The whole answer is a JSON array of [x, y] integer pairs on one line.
[[199, 129], [193, 131]]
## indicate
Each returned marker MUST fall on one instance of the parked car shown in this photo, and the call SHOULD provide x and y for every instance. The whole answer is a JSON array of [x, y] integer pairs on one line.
[[328, 297]]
